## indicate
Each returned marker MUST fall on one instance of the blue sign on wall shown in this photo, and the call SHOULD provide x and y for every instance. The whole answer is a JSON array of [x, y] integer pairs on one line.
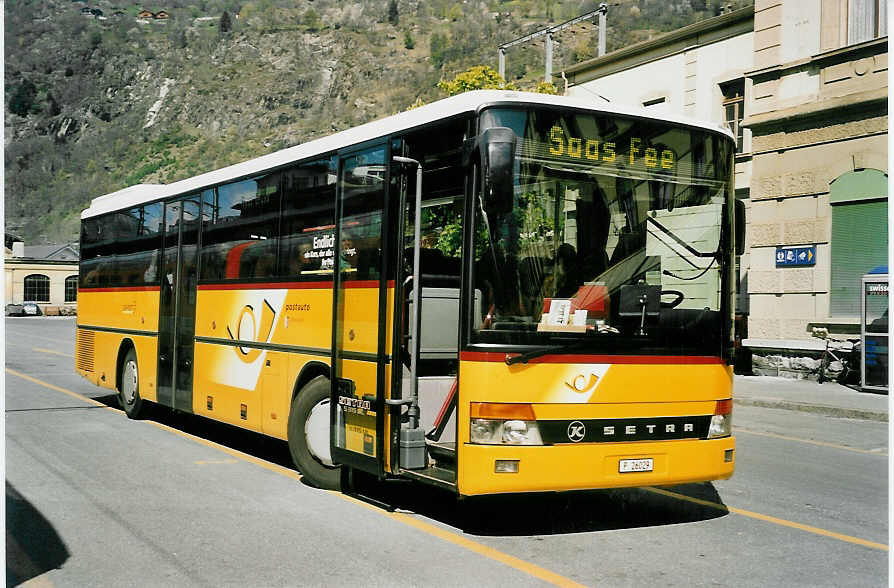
[[796, 256]]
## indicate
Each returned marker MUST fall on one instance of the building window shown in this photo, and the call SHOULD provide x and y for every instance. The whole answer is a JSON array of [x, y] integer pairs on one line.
[[859, 235], [866, 20], [734, 108], [71, 289], [37, 288]]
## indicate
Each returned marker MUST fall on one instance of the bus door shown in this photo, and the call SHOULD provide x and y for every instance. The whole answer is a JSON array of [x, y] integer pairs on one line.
[[426, 333], [177, 306], [359, 357]]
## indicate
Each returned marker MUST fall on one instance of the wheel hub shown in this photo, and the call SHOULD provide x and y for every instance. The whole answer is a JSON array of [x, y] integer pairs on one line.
[[129, 382], [316, 433]]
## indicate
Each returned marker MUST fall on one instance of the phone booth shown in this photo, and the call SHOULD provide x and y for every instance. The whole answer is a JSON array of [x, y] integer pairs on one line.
[[874, 330]]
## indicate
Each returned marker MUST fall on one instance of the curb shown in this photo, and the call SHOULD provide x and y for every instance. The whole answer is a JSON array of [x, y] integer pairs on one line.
[[836, 411]]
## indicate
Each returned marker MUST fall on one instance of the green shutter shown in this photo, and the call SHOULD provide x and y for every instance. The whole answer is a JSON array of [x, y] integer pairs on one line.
[[859, 235], [858, 185], [859, 243]]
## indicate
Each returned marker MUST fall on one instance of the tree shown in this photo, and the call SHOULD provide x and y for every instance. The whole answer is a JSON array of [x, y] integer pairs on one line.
[[479, 77], [311, 20], [225, 25], [23, 98], [438, 46], [546, 88], [409, 41], [393, 16], [53, 108]]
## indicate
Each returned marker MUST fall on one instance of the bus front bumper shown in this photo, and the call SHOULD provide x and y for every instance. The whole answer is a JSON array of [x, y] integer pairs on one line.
[[592, 466]]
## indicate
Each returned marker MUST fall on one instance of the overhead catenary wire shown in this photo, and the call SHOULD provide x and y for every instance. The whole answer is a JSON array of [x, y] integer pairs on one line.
[[548, 33]]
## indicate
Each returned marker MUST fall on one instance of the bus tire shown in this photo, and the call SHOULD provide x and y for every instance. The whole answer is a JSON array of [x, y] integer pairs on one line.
[[129, 387], [309, 435]]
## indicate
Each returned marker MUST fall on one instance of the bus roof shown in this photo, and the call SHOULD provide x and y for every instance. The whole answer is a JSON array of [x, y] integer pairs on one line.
[[468, 102]]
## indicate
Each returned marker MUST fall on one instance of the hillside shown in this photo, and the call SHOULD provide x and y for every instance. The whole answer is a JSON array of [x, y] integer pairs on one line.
[[96, 102]]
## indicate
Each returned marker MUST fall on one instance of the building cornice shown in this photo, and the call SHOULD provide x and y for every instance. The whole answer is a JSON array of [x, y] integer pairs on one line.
[[29, 261], [873, 47], [674, 41], [867, 100]]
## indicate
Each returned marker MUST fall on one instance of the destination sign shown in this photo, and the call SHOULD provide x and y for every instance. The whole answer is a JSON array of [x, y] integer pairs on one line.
[[635, 152]]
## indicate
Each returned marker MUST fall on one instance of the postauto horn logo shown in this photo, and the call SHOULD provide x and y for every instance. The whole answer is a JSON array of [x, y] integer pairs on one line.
[[252, 328], [580, 383]]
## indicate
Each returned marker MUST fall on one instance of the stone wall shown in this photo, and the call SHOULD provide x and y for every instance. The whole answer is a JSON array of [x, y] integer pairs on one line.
[[816, 111]]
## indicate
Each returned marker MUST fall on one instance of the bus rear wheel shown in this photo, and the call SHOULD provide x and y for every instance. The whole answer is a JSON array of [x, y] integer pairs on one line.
[[309, 435], [129, 387]]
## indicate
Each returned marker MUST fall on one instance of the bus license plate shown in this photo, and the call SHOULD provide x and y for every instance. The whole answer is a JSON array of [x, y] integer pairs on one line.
[[635, 465]]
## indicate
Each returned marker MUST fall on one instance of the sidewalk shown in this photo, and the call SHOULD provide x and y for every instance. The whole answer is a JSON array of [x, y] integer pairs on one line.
[[828, 398]]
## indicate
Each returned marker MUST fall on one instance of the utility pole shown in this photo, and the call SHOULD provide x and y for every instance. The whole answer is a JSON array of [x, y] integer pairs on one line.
[[548, 33], [602, 10], [548, 74]]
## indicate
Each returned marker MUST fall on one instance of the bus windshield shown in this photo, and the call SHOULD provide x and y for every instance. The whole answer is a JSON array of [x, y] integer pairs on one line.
[[617, 240]]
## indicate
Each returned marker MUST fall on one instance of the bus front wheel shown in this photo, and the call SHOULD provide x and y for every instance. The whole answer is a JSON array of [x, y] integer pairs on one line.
[[309, 435], [129, 387]]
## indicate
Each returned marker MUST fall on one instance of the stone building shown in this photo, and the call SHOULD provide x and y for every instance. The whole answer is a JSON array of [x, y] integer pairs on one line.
[[817, 111], [47, 275], [803, 85]]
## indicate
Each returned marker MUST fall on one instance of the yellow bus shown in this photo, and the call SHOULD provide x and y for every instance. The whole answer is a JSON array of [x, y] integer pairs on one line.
[[573, 266]]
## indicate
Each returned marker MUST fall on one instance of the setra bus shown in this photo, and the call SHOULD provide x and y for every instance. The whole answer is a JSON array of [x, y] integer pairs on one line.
[[572, 262]]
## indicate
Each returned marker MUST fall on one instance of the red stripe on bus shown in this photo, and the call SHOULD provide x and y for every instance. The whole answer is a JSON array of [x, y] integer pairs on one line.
[[234, 258], [491, 356], [291, 285], [268, 286], [119, 289]]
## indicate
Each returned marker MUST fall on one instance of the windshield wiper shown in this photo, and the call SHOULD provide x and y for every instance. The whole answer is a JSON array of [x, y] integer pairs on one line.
[[680, 242], [540, 351], [715, 256]]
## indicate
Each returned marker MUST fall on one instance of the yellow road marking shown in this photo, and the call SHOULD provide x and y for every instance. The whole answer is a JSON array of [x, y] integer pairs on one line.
[[289, 473], [810, 441], [38, 582], [454, 538], [461, 541], [474, 546], [215, 461], [42, 350], [769, 519], [57, 388]]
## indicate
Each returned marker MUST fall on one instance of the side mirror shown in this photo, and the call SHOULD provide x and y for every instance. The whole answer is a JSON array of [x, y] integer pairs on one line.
[[740, 227], [497, 148]]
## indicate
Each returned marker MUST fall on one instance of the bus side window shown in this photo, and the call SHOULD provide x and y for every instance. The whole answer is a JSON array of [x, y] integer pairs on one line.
[[240, 227], [90, 238], [307, 247]]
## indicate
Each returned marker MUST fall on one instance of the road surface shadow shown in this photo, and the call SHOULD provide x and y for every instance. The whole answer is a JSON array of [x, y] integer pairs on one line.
[[254, 444], [32, 545], [553, 513], [545, 513]]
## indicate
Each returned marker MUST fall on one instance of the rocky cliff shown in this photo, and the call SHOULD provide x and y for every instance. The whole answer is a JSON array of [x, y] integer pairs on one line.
[[99, 97]]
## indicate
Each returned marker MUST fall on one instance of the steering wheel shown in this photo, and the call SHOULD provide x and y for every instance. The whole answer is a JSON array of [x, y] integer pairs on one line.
[[673, 303]]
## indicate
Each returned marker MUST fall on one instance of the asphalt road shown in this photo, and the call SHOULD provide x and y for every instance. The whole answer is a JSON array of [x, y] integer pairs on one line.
[[93, 498]]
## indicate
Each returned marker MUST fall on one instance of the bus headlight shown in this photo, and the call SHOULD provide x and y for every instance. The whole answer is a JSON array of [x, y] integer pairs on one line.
[[500, 432], [722, 421], [485, 431]]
